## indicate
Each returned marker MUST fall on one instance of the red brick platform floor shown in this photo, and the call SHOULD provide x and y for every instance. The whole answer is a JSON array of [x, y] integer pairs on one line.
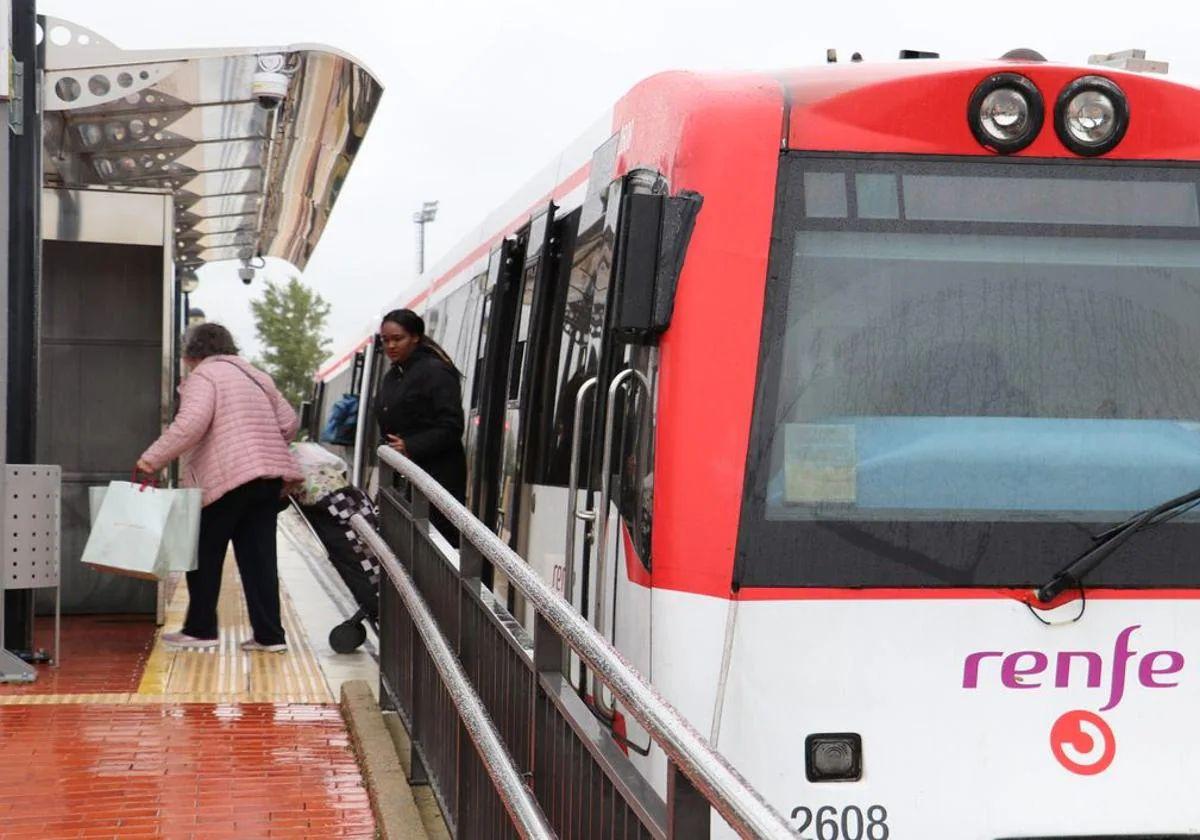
[[100, 654], [184, 771], [80, 759]]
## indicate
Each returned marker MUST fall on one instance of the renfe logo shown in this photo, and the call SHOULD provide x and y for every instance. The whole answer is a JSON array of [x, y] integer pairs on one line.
[[1031, 669], [1083, 743]]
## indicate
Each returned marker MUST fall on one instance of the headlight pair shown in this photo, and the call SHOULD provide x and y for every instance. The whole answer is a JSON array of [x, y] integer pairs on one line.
[[1006, 113]]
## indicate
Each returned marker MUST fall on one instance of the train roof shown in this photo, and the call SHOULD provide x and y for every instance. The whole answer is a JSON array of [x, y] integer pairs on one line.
[[899, 107], [920, 107]]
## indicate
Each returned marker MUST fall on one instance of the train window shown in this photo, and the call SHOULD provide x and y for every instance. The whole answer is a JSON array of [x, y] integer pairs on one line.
[[477, 368], [959, 395], [467, 308], [825, 194], [370, 457], [455, 317], [1055, 201], [633, 458], [516, 370], [877, 195], [434, 323]]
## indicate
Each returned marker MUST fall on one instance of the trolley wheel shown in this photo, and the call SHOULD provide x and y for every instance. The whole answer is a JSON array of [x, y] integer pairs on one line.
[[347, 636]]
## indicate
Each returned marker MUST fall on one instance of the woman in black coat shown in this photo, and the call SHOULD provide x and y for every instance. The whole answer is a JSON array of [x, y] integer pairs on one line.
[[419, 407]]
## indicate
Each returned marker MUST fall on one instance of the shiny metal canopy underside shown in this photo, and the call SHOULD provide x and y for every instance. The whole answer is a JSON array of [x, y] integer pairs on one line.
[[247, 181]]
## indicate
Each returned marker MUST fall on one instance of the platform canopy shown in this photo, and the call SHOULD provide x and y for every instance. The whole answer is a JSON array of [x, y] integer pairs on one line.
[[247, 181]]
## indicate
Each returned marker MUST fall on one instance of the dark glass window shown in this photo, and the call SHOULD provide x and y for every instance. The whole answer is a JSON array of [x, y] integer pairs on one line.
[[477, 367], [633, 456], [579, 330], [975, 368], [516, 370]]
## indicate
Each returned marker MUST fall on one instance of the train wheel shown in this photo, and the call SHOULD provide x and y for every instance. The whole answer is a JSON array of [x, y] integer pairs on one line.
[[347, 636]]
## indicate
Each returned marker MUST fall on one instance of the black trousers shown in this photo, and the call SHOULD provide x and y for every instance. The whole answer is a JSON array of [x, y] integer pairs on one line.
[[246, 515]]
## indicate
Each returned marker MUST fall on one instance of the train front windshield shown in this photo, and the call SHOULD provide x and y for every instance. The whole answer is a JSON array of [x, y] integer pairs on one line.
[[969, 367]]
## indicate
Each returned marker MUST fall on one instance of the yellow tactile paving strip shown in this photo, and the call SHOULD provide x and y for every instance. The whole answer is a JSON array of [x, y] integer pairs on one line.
[[222, 675]]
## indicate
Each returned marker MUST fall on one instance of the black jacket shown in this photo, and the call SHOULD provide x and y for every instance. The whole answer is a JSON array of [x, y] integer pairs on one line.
[[421, 402]]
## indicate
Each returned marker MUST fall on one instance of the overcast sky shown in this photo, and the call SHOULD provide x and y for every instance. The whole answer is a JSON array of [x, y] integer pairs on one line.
[[480, 95]]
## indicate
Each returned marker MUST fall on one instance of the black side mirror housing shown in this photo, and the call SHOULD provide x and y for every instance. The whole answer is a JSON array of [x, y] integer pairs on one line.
[[652, 239]]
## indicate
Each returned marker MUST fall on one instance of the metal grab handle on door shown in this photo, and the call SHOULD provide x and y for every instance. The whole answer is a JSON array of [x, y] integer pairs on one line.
[[573, 512], [605, 704]]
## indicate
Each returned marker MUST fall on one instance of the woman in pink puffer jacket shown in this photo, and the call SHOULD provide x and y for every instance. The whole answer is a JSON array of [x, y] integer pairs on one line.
[[232, 431]]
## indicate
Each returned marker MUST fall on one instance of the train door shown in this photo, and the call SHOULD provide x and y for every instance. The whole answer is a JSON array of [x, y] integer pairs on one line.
[[594, 393], [645, 234], [523, 354], [490, 387], [533, 508], [489, 399], [618, 454], [561, 475], [369, 366]]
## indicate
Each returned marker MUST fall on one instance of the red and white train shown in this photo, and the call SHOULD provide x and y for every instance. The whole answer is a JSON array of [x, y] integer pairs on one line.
[[801, 385]]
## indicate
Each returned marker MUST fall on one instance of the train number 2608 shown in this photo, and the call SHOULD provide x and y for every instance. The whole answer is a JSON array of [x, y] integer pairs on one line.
[[850, 824]]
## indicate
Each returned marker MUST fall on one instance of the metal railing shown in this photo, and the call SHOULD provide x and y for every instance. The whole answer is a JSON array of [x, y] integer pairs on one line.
[[505, 741]]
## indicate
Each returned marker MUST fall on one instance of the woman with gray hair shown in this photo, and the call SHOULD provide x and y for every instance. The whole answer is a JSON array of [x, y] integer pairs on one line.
[[232, 432]]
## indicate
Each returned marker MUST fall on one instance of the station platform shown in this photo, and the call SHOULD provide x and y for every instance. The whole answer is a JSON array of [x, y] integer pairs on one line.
[[130, 739]]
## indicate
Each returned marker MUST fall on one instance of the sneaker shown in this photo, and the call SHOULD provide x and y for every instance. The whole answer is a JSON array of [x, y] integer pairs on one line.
[[183, 640], [253, 645]]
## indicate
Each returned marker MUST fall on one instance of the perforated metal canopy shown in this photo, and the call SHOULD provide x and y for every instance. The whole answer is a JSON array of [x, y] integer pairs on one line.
[[247, 181]]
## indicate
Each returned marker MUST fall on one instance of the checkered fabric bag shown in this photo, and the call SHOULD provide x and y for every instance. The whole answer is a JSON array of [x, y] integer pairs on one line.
[[342, 505]]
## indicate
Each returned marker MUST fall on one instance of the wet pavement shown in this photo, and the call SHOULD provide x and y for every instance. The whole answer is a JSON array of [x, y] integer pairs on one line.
[[128, 739], [179, 771]]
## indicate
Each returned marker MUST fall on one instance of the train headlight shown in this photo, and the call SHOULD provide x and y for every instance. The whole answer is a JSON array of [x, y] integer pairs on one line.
[[1091, 115], [1005, 112], [835, 757]]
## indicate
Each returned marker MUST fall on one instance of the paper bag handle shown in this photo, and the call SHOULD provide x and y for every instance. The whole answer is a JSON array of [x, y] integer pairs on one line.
[[150, 480]]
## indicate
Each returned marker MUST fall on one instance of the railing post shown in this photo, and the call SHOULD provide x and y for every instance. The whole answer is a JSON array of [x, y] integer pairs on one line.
[[419, 526], [689, 816], [470, 562], [549, 651], [465, 828], [418, 773], [467, 647], [387, 642], [549, 654]]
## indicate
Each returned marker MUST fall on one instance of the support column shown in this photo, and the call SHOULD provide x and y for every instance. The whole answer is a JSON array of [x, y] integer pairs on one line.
[[22, 224]]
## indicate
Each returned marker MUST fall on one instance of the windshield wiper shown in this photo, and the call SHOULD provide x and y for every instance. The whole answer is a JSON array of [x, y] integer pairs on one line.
[[1109, 541]]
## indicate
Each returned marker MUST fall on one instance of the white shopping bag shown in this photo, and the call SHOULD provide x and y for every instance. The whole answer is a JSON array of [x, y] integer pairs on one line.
[[141, 531]]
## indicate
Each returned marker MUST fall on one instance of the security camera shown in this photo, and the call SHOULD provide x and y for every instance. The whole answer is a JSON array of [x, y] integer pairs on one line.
[[246, 273], [269, 85]]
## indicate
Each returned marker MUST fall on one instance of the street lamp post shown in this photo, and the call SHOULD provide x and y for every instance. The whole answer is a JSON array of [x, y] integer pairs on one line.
[[426, 214]]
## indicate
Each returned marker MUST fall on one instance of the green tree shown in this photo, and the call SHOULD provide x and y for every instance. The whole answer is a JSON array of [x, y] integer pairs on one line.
[[290, 322]]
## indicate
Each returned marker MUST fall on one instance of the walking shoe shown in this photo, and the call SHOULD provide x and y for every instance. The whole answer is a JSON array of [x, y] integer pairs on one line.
[[183, 640], [253, 645]]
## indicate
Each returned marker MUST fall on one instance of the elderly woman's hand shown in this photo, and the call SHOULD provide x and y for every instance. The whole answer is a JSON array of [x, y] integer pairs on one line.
[[396, 442], [144, 466]]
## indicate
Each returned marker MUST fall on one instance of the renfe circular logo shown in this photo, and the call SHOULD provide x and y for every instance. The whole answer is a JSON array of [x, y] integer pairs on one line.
[[1083, 743]]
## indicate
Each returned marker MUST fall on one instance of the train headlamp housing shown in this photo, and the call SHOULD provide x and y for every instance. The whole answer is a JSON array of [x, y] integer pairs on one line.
[[1091, 115], [1005, 112], [833, 757]]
